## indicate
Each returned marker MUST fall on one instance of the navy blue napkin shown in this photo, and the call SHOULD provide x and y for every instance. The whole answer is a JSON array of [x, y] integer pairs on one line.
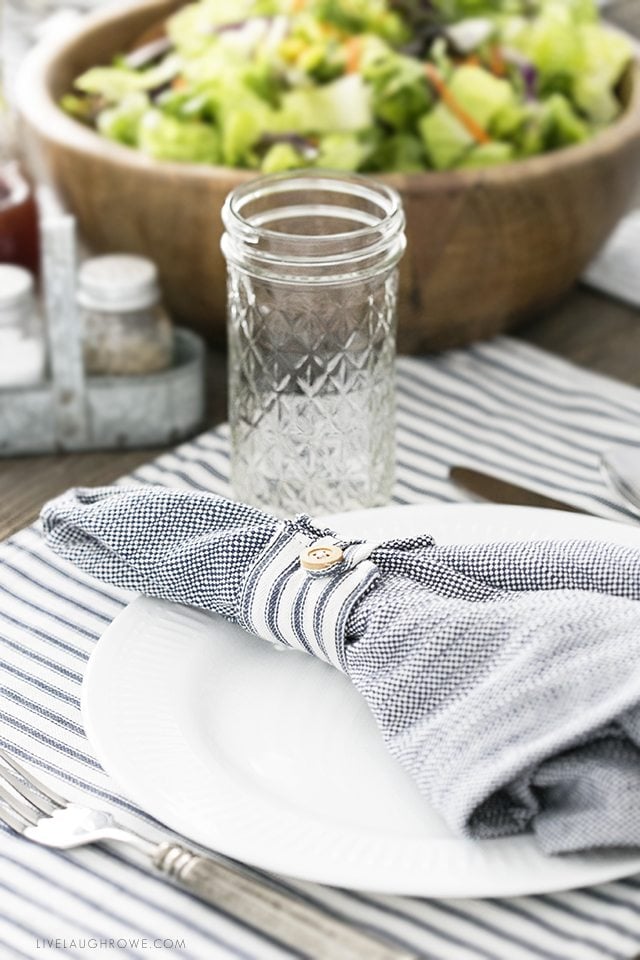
[[505, 678]]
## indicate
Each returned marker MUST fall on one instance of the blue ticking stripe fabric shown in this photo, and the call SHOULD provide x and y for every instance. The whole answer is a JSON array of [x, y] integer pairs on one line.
[[305, 609], [500, 406]]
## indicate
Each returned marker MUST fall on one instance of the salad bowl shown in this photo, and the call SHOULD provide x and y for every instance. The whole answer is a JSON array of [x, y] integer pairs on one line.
[[487, 247]]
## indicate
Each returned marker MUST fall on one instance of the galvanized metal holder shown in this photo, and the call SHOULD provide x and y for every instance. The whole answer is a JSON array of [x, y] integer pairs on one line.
[[71, 411]]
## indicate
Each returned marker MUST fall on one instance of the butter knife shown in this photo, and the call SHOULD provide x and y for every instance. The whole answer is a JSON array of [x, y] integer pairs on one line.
[[502, 491]]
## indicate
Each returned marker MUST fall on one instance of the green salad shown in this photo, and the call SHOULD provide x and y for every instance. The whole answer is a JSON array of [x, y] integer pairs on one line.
[[367, 85]]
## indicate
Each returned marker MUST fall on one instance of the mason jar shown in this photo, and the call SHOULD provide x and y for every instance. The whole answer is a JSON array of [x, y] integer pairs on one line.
[[312, 288]]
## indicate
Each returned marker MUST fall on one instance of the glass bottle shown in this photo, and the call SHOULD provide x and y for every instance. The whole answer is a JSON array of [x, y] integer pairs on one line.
[[126, 330], [312, 288], [18, 219], [19, 239], [22, 343]]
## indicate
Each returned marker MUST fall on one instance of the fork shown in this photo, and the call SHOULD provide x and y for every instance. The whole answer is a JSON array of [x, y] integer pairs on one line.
[[38, 812]]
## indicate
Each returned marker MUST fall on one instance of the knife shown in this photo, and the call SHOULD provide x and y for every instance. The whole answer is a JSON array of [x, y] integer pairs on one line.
[[502, 491]]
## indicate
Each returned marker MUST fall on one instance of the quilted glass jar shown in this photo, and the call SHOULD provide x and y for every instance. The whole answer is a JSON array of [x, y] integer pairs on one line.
[[312, 289]]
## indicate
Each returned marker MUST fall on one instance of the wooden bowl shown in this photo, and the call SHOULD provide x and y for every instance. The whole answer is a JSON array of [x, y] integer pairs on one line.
[[486, 247]]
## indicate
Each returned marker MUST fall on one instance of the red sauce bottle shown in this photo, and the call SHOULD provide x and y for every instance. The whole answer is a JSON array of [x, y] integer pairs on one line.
[[19, 241]]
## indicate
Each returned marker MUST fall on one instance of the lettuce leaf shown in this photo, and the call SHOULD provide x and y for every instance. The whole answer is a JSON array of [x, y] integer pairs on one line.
[[446, 140], [114, 83], [605, 56], [121, 122], [344, 151], [480, 94], [488, 155], [402, 153], [166, 138], [343, 106], [281, 157], [400, 92]]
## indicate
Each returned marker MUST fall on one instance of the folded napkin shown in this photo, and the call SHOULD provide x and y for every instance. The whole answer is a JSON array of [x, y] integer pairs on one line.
[[505, 678]]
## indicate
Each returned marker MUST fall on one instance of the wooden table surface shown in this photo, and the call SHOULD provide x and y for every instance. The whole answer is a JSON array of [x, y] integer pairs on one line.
[[586, 327]]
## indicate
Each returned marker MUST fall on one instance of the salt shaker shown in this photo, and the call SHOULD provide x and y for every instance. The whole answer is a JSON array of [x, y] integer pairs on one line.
[[22, 342], [126, 330]]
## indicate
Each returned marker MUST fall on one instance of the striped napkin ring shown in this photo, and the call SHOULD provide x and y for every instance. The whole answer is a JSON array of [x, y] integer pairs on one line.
[[301, 588]]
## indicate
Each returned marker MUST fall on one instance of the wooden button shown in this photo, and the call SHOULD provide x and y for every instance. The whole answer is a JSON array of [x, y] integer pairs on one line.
[[319, 556]]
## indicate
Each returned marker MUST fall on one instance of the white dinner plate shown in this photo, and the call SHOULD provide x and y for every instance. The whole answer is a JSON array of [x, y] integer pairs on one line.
[[271, 756]]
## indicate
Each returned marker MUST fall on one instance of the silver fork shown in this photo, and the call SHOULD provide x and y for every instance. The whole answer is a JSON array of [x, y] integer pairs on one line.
[[36, 811]]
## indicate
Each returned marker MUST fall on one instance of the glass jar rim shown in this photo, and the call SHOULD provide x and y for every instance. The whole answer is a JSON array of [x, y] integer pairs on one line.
[[382, 235], [276, 183]]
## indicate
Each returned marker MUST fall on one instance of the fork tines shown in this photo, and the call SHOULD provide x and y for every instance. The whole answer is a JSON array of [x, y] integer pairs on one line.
[[15, 790]]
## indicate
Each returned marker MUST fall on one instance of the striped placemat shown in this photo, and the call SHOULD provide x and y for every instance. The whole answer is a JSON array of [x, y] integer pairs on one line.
[[502, 406]]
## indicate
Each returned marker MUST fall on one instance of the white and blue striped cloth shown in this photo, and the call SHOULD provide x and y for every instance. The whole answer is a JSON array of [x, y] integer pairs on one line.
[[501, 406]]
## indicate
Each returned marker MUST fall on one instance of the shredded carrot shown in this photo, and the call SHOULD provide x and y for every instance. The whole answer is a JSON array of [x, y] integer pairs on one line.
[[477, 132], [298, 5], [496, 62], [178, 83], [353, 50], [473, 60]]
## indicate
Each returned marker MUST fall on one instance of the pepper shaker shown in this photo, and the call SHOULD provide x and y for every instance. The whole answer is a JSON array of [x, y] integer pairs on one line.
[[126, 330]]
